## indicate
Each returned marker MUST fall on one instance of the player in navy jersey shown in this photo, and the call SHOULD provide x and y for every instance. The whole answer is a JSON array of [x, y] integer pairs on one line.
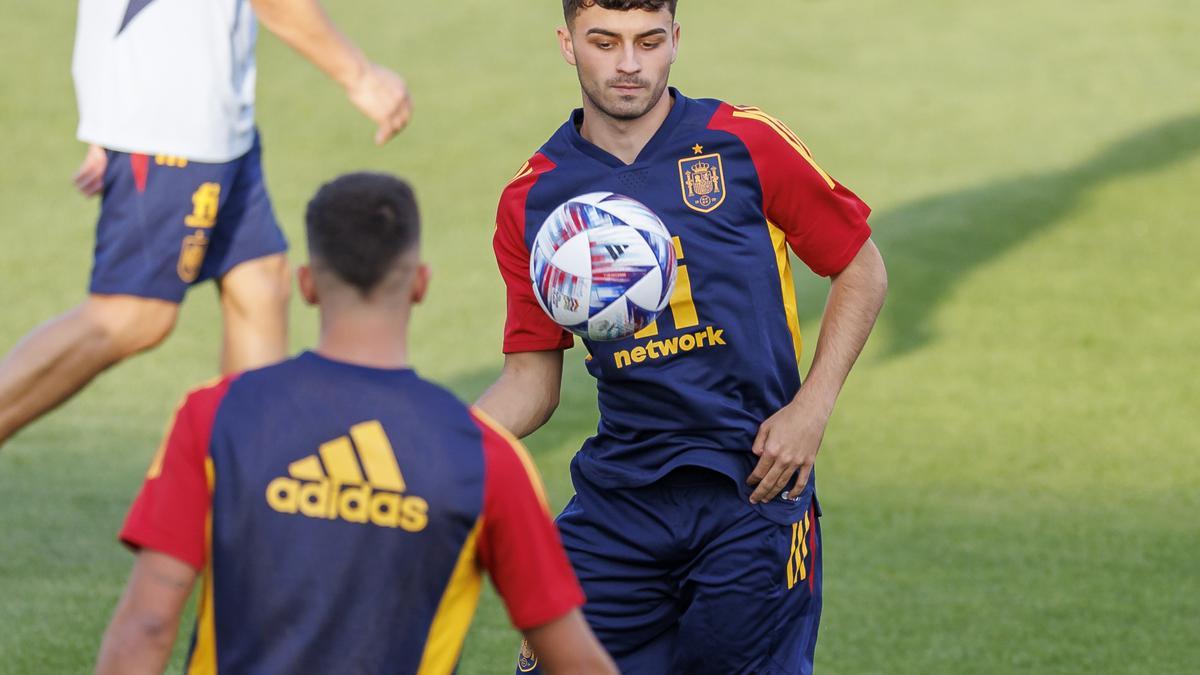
[[166, 93], [694, 526], [339, 508]]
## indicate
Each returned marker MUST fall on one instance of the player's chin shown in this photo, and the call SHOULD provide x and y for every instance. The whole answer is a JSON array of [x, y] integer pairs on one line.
[[628, 106]]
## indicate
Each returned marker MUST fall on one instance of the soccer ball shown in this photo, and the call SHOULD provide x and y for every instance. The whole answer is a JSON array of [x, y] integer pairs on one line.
[[603, 266]]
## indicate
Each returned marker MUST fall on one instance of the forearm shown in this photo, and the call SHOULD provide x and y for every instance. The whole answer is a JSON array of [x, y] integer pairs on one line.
[[131, 646], [305, 27], [518, 405], [526, 394], [855, 297], [567, 645]]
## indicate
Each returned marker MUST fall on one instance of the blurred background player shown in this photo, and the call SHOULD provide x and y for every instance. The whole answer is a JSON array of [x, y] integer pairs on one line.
[[340, 507], [165, 92], [694, 525]]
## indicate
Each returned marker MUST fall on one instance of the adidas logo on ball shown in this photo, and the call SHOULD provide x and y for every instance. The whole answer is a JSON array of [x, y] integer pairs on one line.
[[603, 266]]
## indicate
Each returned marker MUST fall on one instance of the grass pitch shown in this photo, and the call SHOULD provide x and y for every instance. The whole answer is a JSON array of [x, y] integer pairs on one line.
[[1011, 481]]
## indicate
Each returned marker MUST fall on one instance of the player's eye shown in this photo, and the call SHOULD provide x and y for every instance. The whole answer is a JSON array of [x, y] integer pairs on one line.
[[652, 45], [604, 45]]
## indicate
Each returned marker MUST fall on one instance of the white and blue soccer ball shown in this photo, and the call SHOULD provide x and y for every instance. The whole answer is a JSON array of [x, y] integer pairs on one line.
[[603, 266]]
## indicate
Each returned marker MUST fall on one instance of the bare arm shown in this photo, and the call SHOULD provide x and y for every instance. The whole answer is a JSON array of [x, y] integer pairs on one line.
[[566, 645], [143, 628], [790, 439], [377, 92], [89, 178], [526, 393]]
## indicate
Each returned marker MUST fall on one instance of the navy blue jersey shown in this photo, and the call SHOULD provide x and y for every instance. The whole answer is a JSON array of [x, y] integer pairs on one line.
[[341, 517], [736, 188]]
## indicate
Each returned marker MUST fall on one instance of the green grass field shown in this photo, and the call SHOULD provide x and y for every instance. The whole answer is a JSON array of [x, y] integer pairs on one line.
[[1012, 480]]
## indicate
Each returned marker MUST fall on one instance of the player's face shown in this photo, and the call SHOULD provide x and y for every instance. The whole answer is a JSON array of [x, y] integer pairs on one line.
[[623, 57]]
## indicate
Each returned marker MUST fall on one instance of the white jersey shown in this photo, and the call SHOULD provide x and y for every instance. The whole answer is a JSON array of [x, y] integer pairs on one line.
[[172, 77]]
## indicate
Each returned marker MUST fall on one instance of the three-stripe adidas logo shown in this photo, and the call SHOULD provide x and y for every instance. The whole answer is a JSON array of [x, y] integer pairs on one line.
[[797, 567], [331, 484], [615, 251]]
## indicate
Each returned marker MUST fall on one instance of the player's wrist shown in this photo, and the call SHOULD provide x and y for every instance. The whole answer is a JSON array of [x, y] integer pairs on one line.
[[354, 73], [814, 400]]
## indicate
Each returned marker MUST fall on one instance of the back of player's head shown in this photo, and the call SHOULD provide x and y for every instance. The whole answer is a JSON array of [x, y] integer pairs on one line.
[[573, 7], [359, 226]]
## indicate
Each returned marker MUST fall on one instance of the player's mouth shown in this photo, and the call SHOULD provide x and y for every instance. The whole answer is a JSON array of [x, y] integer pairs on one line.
[[627, 88]]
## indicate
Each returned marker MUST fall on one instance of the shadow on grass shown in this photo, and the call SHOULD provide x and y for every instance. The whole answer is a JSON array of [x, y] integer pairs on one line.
[[932, 244]]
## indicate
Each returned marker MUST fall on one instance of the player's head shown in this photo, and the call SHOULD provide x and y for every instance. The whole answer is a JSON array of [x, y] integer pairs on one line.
[[622, 51], [364, 242]]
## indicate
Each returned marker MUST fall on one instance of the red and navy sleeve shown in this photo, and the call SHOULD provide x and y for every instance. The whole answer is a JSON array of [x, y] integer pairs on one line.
[[519, 544], [824, 222], [527, 327], [170, 513]]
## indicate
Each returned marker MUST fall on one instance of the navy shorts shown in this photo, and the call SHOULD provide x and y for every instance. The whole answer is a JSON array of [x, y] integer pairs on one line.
[[685, 576], [167, 223]]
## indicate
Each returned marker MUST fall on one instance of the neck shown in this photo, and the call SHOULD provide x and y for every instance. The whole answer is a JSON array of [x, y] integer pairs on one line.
[[623, 139], [365, 336]]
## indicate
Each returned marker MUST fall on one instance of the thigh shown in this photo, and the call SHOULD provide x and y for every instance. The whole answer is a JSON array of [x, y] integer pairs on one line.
[[753, 598], [156, 220], [622, 551], [632, 604], [246, 227]]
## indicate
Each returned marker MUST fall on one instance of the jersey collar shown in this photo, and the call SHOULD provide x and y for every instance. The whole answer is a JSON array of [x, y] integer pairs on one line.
[[678, 112]]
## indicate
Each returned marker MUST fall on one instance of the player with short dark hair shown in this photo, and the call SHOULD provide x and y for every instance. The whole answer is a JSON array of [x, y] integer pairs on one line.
[[166, 96], [694, 527], [339, 508]]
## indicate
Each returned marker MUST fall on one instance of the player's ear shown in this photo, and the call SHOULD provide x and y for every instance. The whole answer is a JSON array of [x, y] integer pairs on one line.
[[420, 284], [308, 287], [675, 42], [566, 45]]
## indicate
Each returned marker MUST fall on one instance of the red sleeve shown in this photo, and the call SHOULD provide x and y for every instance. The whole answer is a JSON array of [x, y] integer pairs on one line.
[[170, 513], [519, 544], [824, 222], [527, 328]]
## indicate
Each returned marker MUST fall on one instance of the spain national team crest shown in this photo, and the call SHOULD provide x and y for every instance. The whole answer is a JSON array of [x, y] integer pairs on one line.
[[527, 660], [702, 180], [191, 256]]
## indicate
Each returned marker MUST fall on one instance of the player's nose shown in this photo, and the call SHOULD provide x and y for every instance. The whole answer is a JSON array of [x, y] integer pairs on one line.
[[629, 62]]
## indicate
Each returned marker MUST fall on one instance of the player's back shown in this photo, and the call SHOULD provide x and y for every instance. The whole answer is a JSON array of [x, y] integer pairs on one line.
[[345, 508]]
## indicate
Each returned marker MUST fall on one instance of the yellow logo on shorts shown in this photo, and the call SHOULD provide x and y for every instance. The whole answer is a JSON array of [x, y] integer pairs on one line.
[[191, 256], [527, 660], [799, 559], [205, 201]]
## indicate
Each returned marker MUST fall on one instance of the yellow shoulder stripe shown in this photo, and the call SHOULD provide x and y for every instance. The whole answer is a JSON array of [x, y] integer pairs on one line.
[[786, 134]]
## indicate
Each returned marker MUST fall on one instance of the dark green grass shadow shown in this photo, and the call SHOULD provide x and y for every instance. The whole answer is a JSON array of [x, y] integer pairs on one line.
[[930, 245]]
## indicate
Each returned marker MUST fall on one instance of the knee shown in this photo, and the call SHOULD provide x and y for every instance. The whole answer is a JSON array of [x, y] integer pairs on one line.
[[127, 325], [257, 286]]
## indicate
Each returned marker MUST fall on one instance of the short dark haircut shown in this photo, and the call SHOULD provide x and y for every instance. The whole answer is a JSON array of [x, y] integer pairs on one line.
[[573, 7], [359, 224]]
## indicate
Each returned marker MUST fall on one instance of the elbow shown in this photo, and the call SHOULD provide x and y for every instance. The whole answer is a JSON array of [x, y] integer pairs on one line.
[[151, 628], [550, 404]]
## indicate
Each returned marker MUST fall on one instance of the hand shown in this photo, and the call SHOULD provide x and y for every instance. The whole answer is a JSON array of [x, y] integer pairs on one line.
[[382, 96], [89, 179], [788, 441]]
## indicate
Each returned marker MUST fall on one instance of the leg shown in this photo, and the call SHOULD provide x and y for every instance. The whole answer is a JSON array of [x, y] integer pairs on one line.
[[61, 356], [754, 599], [623, 553], [254, 304]]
